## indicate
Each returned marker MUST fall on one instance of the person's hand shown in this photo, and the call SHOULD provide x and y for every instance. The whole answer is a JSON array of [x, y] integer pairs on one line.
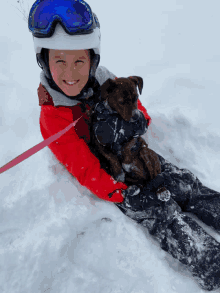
[[157, 185], [140, 122], [132, 190], [139, 198], [133, 197]]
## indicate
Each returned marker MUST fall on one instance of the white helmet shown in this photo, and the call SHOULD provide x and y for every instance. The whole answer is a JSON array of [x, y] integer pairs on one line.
[[64, 25], [60, 40]]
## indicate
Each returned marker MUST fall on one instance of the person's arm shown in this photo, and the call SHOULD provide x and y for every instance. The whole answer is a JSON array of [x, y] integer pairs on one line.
[[142, 120], [102, 74], [75, 154], [144, 111]]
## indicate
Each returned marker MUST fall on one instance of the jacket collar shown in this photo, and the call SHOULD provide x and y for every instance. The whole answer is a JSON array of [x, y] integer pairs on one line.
[[58, 98]]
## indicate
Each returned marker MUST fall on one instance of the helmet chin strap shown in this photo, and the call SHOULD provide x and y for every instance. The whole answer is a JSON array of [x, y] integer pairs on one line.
[[43, 65], [94, 64]]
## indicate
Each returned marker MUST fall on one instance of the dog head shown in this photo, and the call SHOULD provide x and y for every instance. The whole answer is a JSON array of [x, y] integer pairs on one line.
[[122, 95]]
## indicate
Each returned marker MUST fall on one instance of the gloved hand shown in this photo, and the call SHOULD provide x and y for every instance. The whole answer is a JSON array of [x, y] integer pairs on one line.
[[157, 186], [139, 198], [140, 123]]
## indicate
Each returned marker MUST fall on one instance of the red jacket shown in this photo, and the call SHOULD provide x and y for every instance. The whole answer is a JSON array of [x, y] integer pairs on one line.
[[72, 150]]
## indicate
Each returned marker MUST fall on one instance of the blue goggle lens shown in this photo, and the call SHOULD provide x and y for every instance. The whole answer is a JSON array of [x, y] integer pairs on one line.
[[75, 16]]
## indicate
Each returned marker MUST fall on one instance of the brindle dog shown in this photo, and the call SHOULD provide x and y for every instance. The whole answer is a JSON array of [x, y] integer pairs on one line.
[[133, 162]]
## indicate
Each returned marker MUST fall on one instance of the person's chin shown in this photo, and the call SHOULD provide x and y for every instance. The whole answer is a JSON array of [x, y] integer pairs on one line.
[[72, 91]]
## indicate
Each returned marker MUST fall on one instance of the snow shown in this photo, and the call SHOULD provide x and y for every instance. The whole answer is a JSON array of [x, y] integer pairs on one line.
[[55, 236]]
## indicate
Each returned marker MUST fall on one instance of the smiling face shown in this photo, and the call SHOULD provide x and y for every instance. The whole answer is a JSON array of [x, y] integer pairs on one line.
[[70, 66]]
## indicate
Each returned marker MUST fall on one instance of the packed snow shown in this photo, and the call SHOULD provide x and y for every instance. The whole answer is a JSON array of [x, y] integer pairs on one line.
[[55, 236]]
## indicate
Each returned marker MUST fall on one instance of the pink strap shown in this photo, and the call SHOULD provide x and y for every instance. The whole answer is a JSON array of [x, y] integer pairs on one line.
[[36, 148]]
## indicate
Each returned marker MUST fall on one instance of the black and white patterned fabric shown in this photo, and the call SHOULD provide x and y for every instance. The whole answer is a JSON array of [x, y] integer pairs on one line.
[[178, 234], [112, 131]]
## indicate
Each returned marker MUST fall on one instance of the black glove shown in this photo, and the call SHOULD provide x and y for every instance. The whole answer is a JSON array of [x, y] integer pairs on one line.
[[155, 183], [157, 186], [138, 198], [133, 197], [140, 123]]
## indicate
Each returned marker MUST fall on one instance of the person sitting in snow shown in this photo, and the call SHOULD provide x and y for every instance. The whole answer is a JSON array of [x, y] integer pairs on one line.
[[67, 46]]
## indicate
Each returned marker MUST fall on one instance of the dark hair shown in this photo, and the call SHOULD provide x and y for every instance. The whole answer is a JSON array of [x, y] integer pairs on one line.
[[92, 54]]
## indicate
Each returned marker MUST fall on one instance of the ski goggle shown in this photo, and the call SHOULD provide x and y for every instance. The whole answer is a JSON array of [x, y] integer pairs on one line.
[[75, 16]]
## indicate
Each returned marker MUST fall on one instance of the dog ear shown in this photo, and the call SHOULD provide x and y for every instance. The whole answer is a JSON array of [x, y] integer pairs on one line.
[[107, 87], [138, 82]]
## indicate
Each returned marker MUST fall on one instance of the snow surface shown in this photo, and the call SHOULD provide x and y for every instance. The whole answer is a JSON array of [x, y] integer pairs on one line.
[[55, 236]]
